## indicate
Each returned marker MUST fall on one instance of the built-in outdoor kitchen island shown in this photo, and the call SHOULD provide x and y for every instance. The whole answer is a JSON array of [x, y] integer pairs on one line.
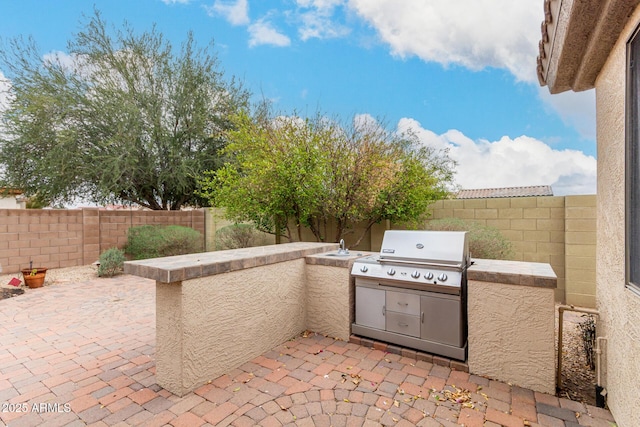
[[217, 310]]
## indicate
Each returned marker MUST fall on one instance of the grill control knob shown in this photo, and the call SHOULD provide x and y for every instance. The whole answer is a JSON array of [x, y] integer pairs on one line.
[[428, 276], [442, 277], [415, 274], [391, 272], [364, 268]]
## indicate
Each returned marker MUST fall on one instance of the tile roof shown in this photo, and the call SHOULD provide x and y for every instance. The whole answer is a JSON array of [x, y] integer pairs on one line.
[[490, 193]]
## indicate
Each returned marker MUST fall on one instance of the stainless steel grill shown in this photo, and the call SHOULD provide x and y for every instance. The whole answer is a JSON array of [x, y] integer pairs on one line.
[[414, 292]]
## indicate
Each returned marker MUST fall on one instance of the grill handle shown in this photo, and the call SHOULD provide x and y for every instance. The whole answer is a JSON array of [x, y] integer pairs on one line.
[[456, 267]]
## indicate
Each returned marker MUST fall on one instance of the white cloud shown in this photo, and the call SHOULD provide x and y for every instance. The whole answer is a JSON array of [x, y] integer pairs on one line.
[[263, 32], [175, 1], [576, 109], [472, 33], [317, 19], [522, 161], [236, 12]]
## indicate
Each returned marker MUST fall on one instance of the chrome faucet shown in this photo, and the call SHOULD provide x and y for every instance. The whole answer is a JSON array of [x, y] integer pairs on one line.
[[342, 250]]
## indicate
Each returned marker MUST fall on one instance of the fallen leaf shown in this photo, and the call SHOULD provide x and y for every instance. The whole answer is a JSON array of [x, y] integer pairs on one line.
[[396, 403], [236, 389], [346, 400]]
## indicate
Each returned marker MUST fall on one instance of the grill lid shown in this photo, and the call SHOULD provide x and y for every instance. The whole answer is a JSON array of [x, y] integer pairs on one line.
[[420, 246]]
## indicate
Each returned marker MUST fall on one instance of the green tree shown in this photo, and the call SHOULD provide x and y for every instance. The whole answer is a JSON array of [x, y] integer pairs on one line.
[[122, 117], [316, 172]]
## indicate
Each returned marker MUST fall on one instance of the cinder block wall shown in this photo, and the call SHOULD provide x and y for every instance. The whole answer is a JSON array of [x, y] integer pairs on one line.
[[558, 230], [580, 250], [67, 238]]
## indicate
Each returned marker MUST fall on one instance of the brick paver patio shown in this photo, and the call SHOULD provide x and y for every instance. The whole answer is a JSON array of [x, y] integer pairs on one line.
[[83, 354]]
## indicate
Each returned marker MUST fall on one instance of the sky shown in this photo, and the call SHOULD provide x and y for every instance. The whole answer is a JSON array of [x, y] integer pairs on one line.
[[458, 73]]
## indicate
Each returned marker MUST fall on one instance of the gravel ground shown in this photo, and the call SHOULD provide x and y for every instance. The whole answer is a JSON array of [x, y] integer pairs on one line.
[[578, 380]]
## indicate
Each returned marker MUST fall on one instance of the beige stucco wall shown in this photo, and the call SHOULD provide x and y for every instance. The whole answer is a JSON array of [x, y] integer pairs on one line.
[[208, 326], [619, 307], [511, 334], [329, 301], [11, 202]]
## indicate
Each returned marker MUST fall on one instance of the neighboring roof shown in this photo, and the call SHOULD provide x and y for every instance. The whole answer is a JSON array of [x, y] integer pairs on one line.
[[491, 193], [9, 192], [577, 37]]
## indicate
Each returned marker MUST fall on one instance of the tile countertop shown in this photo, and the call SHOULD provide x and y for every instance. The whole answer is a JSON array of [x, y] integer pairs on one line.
[[191, 266], [513, 273], [331, 260]]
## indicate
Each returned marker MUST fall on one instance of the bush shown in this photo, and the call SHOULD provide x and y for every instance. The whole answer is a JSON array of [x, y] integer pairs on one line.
[[484, 242], [111, 262], [153, 241], [239, 236]]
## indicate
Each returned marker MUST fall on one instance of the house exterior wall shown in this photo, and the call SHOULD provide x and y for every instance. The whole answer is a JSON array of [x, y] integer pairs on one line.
[[11, 202], [619, 307]]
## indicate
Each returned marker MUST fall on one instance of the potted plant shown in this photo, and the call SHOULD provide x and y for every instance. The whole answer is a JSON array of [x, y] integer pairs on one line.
[[34, 277]]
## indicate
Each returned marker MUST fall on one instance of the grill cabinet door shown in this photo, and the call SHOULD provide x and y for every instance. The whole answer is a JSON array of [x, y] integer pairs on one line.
[[370, 307], [441, 319]]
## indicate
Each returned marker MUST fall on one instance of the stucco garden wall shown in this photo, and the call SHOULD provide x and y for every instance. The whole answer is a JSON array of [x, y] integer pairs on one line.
[[245, 312], [511, 325], [330, 298], [619, 307]]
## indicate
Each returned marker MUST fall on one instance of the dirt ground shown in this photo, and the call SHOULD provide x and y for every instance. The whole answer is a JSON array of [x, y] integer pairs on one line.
[[578, 380]]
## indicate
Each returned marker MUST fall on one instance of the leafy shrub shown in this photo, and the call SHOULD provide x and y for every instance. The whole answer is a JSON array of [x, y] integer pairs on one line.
[[153, 241], [484, 242], [111, 262], [239, 236]]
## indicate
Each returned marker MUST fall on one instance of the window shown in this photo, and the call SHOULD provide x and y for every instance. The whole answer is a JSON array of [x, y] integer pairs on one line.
[[632, 166]]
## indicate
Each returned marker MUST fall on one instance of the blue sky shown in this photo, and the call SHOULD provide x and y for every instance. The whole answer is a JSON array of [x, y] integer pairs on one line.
[[460, 73]]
